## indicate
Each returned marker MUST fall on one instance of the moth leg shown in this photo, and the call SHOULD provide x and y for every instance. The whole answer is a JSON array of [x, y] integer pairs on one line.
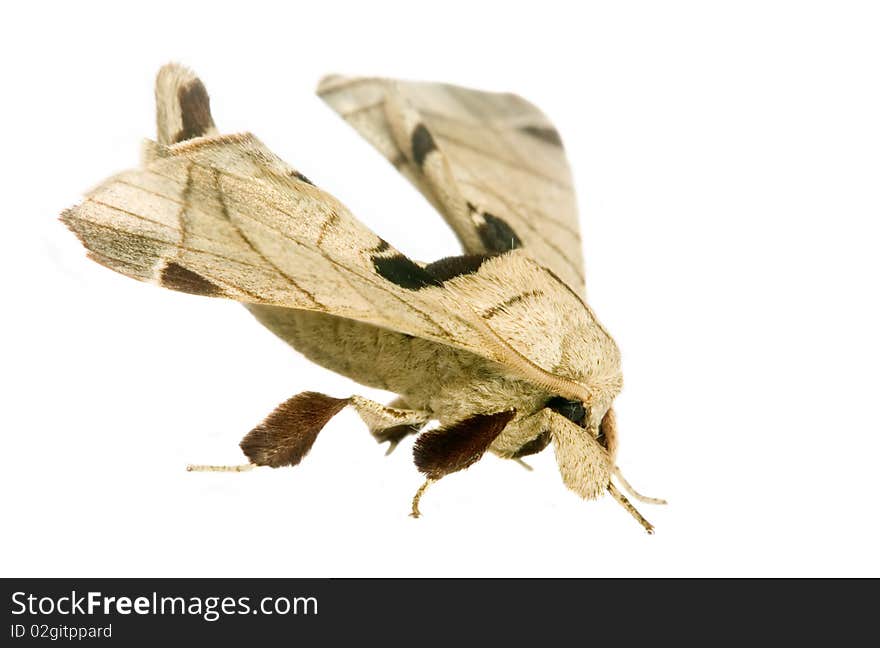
[[446, 450], [418, 496], [625, 503], [523, 464], [289, 432], [391, 423], [213, 468], [397, 433]]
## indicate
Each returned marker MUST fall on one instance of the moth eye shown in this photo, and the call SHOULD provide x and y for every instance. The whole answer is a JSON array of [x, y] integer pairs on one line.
[[574, 411]]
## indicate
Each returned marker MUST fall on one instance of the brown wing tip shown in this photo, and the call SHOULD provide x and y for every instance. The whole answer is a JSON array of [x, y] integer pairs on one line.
[[183, 108], [176, 277]]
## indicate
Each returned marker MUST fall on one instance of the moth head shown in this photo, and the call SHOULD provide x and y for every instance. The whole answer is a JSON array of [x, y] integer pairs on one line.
[[595, 416], [585, 442]]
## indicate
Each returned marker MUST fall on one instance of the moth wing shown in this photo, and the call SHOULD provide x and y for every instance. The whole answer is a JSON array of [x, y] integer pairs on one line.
[[491, 163], [549, 334], [223, 217]]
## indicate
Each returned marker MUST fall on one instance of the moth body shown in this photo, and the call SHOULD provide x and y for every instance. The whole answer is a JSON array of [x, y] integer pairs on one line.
[[498, 345]]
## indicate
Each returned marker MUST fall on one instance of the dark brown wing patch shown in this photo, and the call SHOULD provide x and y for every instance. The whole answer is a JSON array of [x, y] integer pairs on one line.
[[450, 267], [422, 144], [453, 448], [195, 111], [403, 272], [176, 277], [544, 133], [497, 235], [287, 434]]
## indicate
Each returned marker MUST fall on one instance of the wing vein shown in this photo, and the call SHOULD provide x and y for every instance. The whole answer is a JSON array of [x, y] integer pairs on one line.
[[225, 211], [446, 137]]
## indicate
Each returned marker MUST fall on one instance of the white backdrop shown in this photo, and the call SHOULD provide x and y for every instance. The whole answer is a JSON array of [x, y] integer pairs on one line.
[[727, 163]]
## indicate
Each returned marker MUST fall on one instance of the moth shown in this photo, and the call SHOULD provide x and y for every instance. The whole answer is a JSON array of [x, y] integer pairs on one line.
[[497, 346]]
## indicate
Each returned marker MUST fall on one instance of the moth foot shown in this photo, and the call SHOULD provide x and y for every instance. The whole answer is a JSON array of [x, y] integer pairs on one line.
[[210, 468], [416, 513]]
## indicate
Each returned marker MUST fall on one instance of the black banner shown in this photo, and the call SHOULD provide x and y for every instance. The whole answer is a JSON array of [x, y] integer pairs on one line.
[[132, 612]]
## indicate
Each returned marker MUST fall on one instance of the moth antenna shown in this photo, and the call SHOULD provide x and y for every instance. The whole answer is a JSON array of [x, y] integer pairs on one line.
[[209, 468], [415, 503], [625, 503], [632, 491]]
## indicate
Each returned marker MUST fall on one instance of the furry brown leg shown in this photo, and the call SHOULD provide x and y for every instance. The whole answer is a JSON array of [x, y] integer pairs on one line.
[[455, 447], [449, 449], [287, 434]]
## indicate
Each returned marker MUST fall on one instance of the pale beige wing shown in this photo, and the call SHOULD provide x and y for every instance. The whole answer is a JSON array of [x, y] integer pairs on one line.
[[222, 216], [491, 163]]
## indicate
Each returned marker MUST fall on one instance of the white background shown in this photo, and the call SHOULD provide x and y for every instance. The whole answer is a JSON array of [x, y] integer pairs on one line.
[[726, 157]]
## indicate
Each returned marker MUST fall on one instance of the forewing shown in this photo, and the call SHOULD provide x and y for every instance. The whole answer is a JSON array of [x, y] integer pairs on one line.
[[223, 217], [491, 163]]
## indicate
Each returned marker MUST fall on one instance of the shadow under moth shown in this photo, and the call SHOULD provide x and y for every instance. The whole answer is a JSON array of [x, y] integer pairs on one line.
[[498, 345]]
